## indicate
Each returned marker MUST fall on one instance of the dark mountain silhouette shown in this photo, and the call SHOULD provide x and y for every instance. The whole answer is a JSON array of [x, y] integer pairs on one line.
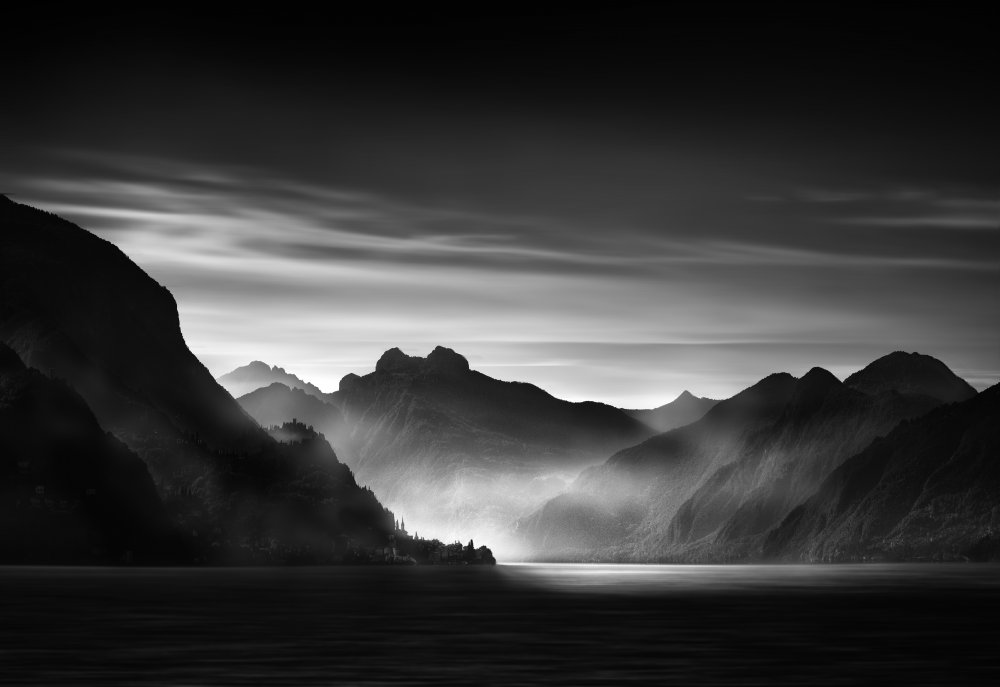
[[711, 491], [911, 373], [69, 492], [75, 307], [683, 410], [257, 375], [452, 446], [930, 489], [277, 403]]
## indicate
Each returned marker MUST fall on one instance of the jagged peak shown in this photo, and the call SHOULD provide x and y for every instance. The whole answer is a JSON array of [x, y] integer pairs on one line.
[[686, 396], [394, 360], [441, 360]]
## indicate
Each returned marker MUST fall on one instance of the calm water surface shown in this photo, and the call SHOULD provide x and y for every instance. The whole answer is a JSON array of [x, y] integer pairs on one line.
[[515, 624]]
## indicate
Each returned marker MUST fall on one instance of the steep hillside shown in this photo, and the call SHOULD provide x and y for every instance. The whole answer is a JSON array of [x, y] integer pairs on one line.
[[930, 489], [640, 488], [78, 309], [277, 403], [69, 492], [74, 306]]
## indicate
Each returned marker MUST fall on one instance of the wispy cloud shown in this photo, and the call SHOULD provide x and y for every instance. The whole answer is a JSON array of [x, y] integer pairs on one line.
[[954, 221], [318, 278]]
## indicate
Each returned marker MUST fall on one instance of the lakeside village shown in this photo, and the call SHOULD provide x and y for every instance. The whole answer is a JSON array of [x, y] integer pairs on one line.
[[403, 549], [400, 548]]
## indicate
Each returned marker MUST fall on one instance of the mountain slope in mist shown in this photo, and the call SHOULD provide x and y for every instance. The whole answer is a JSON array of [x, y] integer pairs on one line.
[[257, 375], [75, 307], [683, 410], [69, 492], [453, 447], [712, 490], [929, 489], [648, 482], [277, 403]]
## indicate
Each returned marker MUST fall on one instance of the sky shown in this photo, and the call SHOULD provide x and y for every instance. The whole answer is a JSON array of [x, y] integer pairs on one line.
[[614, 206]]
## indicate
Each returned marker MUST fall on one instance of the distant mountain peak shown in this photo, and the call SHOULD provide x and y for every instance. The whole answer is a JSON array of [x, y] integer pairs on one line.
[[812, 390], [440, 360], [258, 374], [394, 360], [683, 410], [443, 359], [911, 373], [817, 378]]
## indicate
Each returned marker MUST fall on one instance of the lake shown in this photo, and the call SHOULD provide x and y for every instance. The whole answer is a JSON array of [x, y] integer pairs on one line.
[[513, 624]]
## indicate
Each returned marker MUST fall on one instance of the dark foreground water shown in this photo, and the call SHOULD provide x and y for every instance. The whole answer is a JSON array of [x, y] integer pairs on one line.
[[558, 624]]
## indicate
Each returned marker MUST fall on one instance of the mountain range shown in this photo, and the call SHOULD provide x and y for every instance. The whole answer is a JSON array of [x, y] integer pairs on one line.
[[448, 446], [453, 448], [116, 444], [713, 491]]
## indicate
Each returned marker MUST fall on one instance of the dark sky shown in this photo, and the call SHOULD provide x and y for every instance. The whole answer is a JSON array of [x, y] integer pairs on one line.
[[614, 205]]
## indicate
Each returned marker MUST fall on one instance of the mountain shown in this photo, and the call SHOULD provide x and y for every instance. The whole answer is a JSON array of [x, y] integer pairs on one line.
[[454, 448], [641, 487], [683, 410], [257, 375], [930, 489], [911, 373], [277, 403], [76, 308], [69, 492], [711, 491]]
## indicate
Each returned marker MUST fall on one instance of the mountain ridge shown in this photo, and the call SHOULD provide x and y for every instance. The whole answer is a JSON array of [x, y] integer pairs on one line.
[[710, 491], [256, 375]]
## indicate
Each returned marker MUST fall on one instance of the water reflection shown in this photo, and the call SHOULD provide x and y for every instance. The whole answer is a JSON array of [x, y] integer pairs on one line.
[[687, 579], [516, 624]]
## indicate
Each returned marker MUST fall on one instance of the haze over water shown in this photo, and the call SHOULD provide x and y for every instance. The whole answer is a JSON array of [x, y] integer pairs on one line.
[[516, 624]]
